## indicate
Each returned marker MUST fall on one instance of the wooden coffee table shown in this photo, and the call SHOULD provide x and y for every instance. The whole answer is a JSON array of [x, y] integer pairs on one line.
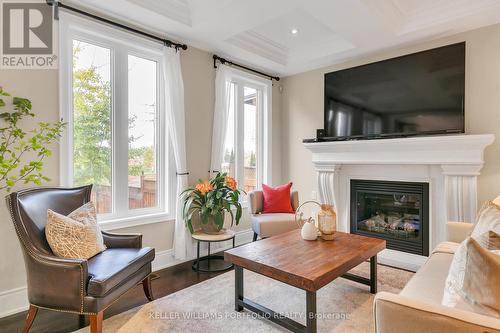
[[308, 265]]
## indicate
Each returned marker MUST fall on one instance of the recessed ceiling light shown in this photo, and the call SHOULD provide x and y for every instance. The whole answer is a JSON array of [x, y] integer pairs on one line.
[[294, 31]]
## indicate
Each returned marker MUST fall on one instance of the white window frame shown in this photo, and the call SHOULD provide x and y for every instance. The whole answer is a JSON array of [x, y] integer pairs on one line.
[[121, 45], [264, 126]]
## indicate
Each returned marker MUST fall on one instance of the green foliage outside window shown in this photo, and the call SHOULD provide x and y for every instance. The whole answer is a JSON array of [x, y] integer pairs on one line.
[[92, 152]]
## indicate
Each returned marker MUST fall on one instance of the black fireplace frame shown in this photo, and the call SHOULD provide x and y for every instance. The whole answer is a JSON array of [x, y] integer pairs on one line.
[[390, 187]]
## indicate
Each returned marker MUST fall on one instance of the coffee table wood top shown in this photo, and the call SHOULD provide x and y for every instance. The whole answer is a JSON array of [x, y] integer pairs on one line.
[[307, 265]]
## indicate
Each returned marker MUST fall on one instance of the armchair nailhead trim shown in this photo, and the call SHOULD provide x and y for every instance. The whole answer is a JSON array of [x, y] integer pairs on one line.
[[36, 258]]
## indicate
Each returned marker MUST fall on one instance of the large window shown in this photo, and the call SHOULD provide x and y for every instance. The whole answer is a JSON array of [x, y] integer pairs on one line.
[[116, 136], [247, 148]]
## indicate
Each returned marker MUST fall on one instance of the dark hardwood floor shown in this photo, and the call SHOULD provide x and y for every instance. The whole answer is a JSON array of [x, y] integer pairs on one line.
[[165, 282]]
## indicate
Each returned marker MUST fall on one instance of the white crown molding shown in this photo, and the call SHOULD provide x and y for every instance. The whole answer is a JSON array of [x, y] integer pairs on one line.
[[403, 20], [177, 10], [255, 43]]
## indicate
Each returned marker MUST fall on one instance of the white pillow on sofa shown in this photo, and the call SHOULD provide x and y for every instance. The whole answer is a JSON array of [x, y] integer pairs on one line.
[[488, 220]]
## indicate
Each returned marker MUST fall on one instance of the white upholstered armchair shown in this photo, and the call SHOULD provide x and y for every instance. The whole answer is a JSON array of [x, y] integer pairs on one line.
[[267, 225]]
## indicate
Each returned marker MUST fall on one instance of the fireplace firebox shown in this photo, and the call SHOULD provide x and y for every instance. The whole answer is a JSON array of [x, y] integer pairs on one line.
[[395, 211]]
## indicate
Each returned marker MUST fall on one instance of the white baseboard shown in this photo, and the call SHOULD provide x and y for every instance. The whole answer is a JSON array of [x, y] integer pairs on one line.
[[13, 301], [16, 300], [166, 258], [408, 261]]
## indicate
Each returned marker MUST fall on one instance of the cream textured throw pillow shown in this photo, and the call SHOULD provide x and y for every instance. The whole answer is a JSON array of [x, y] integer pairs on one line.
[[473, 275], [482, 275], [488, 219], [74, 236]]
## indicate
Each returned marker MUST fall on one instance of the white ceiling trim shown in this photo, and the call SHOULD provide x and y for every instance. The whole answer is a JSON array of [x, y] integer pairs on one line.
[[260, 45], [257, 33]]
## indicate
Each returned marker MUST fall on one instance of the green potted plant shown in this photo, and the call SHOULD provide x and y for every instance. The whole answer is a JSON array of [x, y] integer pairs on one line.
[[22, 151], [211, 199]]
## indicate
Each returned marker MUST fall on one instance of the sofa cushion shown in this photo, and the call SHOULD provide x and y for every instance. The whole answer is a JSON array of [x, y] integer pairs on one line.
[[113, 266], [428, 283], [267, 225], [464, 268], [446, 247], [482, 274], [488, 219], [277, 199]]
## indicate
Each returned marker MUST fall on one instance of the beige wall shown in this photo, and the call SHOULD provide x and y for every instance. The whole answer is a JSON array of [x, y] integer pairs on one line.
[[42, 88], [302, 107]]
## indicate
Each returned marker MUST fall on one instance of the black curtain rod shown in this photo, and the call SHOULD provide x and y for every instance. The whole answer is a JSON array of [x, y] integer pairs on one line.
[[166, 42], [227, 62]]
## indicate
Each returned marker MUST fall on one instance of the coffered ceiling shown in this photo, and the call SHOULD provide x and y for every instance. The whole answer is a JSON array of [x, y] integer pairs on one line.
[[259, 32]]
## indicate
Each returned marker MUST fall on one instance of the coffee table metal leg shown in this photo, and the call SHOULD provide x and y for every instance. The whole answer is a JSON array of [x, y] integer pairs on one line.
[[238, 288], [373, 274], [311, 320]]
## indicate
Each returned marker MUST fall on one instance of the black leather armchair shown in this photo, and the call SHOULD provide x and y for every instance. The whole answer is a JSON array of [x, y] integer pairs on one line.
[[86, 287]]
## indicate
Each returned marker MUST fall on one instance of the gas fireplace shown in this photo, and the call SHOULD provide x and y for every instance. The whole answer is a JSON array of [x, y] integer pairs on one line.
[[395, 211]]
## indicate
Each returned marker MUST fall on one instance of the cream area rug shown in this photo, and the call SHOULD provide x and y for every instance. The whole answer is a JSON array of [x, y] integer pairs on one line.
[[343, 306]]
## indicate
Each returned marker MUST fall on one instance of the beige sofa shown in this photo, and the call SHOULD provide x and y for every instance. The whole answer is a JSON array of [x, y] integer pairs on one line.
[[418, 307]]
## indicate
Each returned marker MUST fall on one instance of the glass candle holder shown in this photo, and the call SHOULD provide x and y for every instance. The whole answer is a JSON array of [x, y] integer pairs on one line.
[[327, 221]]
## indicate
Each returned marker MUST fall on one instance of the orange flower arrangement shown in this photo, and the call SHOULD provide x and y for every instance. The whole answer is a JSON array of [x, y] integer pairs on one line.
[[231, 182], [204, 187], [212, 199]]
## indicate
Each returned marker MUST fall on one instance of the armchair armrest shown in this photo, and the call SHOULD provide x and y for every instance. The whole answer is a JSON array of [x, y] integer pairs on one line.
[[112, 240], [395, 313], [458, 231], [55, 282]]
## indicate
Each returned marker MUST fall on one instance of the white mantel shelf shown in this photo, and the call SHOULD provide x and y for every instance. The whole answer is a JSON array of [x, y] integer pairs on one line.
[[450, 164], [432, 150]]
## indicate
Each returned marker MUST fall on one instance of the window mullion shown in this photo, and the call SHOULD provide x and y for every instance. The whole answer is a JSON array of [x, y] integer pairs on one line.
[[260, 139], [120, 132], [240, 133]]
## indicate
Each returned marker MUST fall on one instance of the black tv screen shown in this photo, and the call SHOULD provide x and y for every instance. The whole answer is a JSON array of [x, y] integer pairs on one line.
[[420, 93]]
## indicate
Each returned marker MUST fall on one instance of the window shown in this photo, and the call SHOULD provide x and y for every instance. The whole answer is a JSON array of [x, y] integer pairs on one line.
[[116, 136], [247, 148]]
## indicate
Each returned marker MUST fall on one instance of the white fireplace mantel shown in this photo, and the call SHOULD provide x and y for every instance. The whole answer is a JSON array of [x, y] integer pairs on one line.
[[442, 150], [450, 164]]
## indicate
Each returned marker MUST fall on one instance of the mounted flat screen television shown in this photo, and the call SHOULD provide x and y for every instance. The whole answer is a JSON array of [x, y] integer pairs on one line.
[[416, 94]]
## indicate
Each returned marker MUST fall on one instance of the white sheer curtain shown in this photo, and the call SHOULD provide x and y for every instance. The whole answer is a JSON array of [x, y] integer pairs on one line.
[[221, 112], [174, 108]]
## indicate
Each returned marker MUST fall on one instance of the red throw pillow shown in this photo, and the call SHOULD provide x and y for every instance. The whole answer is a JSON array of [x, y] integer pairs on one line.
[[277, 199]]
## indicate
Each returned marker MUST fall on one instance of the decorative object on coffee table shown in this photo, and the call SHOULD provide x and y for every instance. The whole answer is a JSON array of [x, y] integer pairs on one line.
[[211, 263], [211, 200], [308, 228], [327, 220], [276, 257]]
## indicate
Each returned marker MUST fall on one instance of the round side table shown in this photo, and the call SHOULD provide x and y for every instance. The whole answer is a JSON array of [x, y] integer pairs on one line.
[[210, 262]]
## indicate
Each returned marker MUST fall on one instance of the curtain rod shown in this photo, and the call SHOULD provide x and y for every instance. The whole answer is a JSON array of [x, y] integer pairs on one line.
[[166, 42], [225, 61]]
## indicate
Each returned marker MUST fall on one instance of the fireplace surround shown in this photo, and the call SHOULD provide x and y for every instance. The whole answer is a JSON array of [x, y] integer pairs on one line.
[[448, 164]]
